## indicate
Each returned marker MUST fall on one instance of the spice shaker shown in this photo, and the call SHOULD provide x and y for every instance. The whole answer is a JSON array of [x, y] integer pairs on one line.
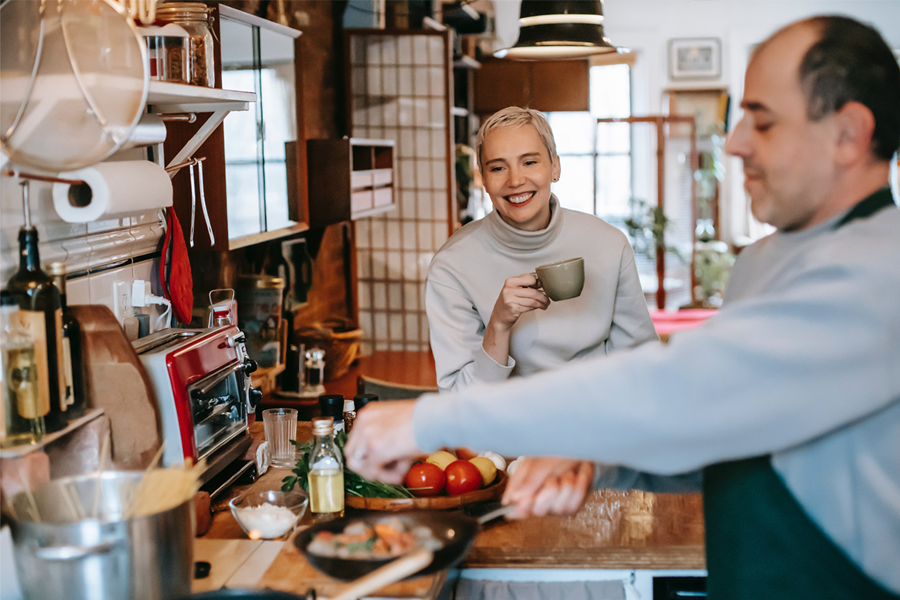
[[314, 371], [349, 414]]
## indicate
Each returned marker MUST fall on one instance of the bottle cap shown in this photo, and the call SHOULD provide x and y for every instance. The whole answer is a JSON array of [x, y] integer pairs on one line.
[[332, 405], [322, 426], [361, 400], [349, 406]]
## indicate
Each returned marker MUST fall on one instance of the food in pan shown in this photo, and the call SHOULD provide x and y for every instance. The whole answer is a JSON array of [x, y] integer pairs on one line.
[[389, 537]]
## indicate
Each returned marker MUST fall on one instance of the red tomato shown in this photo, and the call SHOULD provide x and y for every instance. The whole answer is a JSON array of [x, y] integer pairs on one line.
[[462, 477], [426, 476]]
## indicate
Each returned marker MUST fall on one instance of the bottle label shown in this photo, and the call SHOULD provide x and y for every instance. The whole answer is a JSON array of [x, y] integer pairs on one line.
[[60, 360], [22, 382], [67, 367], [33, 323]]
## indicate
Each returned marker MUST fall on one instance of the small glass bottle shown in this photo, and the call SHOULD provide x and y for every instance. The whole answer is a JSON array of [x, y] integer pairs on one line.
[[193, 17], [326, 472], [23, 412]]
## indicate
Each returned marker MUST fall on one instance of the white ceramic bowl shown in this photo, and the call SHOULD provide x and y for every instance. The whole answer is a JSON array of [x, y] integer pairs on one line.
[[268, 515]]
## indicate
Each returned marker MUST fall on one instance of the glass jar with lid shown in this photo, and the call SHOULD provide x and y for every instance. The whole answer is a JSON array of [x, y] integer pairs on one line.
[[259, 299], [193, 17]]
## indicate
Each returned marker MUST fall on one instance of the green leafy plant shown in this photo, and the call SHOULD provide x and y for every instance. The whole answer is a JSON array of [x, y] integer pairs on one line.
[[713, 263], [354, 483], [647, 227]]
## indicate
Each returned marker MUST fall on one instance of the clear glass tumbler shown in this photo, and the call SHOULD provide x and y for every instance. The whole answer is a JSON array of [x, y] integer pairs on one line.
[[281, 428]]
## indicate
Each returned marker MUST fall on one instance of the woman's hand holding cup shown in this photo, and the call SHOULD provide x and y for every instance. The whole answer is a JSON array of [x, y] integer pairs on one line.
[[517, 297]]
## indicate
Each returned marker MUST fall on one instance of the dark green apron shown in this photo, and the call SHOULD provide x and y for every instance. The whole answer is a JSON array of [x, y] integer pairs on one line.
[[760, 544]]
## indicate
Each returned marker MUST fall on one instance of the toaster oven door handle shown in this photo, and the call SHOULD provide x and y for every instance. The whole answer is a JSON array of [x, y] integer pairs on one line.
[[215, 377]]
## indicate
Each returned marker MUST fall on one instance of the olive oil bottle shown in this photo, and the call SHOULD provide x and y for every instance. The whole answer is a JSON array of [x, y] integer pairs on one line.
[[22, 419], [326, 472], [40, 317]]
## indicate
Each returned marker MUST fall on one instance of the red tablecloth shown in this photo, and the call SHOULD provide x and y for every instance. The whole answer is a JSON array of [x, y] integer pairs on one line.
[[668, 322]]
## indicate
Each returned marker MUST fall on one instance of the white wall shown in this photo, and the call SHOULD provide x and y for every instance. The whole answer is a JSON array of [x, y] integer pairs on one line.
[[648, 25]]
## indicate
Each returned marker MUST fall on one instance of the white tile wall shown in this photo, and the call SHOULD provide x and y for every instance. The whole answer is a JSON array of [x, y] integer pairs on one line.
[[84, 247], [395, 249]]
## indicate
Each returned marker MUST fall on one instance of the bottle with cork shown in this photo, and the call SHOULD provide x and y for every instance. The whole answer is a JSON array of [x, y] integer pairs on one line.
[[326, 472]]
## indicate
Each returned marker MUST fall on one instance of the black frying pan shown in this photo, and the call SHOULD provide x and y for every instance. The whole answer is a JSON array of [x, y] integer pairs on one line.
[[455, 530]]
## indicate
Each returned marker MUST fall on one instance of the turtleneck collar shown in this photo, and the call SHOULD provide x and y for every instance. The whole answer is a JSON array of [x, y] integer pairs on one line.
[[508, 237]]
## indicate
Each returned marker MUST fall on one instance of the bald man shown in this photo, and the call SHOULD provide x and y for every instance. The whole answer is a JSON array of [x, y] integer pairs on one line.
[[788, 401]]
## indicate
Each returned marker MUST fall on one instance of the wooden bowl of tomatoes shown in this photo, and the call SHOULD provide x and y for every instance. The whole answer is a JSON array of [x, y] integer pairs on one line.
[[439, 487]]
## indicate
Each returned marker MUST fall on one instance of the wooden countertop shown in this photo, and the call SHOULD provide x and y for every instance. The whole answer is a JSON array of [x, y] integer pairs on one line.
[[614, 530]]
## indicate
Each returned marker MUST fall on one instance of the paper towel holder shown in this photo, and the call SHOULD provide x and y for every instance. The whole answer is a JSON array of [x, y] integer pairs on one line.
[[45, 178]]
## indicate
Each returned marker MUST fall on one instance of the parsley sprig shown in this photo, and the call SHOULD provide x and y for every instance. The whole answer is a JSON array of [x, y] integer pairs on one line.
[[354, 483]]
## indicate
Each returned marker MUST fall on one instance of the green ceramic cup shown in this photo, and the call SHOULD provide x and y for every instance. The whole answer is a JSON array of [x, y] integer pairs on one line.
[[561, 280]]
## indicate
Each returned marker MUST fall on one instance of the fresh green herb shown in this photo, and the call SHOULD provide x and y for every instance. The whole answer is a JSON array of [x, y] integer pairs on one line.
[[354, 484], [365, 546]]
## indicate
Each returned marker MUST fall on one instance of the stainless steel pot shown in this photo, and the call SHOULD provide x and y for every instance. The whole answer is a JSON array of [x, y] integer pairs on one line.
[[69, 554]]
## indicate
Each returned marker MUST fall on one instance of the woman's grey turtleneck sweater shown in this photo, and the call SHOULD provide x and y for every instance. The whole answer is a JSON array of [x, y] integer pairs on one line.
[[467, 274]]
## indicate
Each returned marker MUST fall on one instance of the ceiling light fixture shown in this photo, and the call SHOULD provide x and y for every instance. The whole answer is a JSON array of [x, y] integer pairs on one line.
[[559, 29]]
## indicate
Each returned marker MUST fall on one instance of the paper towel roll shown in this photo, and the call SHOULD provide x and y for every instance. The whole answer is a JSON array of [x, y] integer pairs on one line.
[[112, 188]]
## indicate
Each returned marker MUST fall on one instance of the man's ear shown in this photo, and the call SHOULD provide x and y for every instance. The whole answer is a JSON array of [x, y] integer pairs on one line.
[[856, 125]]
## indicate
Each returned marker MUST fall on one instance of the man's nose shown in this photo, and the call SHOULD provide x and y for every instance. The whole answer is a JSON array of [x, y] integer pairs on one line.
[[737, 142]]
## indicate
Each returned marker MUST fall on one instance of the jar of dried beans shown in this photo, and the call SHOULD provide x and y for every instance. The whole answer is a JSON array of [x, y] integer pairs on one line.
[[193, 17]]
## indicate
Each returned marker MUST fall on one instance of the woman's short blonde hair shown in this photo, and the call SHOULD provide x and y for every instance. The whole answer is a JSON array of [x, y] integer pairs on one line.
[[513, 116]]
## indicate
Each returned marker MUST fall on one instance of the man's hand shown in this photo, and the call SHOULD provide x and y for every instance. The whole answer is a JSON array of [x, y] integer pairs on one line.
[[382, 444], [542, 486]]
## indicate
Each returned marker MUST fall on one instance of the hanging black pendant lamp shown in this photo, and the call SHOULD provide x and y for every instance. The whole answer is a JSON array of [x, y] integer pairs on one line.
[[559, 29]]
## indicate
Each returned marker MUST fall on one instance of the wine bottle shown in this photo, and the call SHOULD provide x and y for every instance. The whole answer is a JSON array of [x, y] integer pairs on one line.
[[73, 367], [23, 413], [40, 316]]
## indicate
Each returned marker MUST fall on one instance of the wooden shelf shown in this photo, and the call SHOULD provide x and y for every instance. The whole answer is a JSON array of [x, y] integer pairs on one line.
[[18, 451]]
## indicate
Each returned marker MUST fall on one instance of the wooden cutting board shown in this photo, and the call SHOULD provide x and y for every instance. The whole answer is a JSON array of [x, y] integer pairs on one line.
[[290, 572], [115, 380]]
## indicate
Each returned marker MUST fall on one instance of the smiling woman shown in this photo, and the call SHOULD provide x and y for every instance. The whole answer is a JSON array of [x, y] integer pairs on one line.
[[487, 321]]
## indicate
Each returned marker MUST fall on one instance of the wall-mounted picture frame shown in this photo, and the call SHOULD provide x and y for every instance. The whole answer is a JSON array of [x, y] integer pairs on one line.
[[695, 58]]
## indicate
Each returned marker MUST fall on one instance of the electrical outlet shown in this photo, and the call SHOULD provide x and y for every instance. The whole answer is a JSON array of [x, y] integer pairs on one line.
[[122, 300]]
